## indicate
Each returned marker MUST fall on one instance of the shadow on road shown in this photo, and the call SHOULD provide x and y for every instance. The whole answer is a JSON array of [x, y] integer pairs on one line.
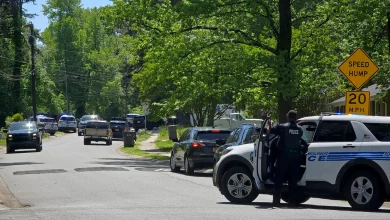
[[133, 162], [17, 163], [268, 205]]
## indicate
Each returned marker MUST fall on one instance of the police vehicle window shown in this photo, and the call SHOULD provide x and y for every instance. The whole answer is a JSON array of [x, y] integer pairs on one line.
[[236, 136], [380, 131], [230, 138], [350, 133], [335, 131], [248, 135], [308, 129], [67, 119]]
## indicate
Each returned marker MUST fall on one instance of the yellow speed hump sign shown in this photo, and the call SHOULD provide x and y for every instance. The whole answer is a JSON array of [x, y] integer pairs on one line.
[[358, 68], [357, 102]]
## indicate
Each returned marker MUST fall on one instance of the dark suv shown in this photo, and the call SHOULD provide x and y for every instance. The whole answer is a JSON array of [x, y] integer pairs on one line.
[[139, 123], [244, 134], [118, 126], [196, 147]]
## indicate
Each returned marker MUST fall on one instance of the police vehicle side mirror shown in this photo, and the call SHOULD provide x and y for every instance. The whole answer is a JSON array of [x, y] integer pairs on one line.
[[310, 129], [254, 137]]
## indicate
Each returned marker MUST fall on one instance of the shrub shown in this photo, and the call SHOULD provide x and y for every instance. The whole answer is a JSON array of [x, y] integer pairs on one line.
[[15, 117]]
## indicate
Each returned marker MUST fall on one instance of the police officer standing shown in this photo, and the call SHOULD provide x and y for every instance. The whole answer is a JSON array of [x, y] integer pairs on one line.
[[288, 157]]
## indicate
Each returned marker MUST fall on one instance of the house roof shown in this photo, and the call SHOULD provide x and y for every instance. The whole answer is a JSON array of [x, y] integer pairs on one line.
[[373, 89]]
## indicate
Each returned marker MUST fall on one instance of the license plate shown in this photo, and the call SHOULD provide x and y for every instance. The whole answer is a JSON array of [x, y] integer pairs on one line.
[[138, 122], [215, 149], [95, 136], [117, 129]]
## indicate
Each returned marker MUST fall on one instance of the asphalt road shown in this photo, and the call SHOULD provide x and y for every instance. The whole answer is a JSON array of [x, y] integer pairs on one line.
[[68, 180]]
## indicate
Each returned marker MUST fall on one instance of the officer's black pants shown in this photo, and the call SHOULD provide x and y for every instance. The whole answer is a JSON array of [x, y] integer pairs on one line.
[[287, 165]]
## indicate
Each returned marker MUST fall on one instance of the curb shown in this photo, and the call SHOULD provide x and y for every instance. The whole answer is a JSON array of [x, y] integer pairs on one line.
[[7, 199]]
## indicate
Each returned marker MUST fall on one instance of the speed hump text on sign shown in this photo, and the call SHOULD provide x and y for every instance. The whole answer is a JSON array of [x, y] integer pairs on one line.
[[357, 102], [358, 68]]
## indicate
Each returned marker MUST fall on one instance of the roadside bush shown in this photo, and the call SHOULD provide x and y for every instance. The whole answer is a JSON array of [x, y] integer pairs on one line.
[[15, 117]]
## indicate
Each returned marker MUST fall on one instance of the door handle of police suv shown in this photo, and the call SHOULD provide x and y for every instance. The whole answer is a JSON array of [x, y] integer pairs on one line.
[[349, 146]]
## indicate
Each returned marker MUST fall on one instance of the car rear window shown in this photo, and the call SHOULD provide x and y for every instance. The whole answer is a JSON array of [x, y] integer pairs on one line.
[[67, 119], [380, 131], [98, 125], [121, 124], [212, 135], [48, 120]]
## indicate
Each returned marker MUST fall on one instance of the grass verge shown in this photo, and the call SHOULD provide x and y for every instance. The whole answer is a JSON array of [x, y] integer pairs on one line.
[[142, 136], [163, 143]]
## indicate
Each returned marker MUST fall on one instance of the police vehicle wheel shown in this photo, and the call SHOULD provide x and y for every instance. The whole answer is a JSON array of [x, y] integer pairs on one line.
[[172, 163], [237, 186], [79, 134], [302, 198], [364, 191]]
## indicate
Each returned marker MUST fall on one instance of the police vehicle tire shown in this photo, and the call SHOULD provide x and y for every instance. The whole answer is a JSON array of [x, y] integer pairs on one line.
[[242, 172], [302, 198], [79, 134], [376, 191], [173, 166]]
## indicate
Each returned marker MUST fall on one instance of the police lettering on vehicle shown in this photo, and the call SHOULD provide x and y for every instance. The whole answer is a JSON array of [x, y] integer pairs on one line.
[[293, 131], [347, 156]]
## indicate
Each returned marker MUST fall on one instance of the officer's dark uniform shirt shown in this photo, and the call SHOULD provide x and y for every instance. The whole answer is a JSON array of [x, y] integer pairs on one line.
[[290, 137]]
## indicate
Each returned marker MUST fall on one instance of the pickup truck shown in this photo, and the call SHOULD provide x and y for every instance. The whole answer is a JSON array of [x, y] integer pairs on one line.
[[96, 130]]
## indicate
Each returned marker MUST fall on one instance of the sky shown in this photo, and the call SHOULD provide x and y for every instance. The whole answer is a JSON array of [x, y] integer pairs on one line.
[[40, 21]]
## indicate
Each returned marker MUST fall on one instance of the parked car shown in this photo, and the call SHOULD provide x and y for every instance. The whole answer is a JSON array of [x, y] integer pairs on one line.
[[51, 125], [118, 126], [83, 122], [139, 123], [244, 134], [97, 130], [195, 148], [130, 118], [67, 123], [23, 135]]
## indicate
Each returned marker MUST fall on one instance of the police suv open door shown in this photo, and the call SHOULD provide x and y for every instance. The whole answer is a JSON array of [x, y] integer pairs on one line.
[[262, 152]]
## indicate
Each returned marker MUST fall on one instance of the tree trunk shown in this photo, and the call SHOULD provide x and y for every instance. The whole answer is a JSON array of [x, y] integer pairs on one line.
[[18, 56], [284, 48], [211, 113]]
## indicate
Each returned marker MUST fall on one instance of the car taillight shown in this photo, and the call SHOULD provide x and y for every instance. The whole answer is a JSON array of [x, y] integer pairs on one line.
[[215, 131], [85, 132], [197, 145]]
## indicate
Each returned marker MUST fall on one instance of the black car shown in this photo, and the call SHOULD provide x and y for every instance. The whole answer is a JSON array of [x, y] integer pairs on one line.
[[195, 148], [23, 135], [139, 123], [244, 134], [118, 126]]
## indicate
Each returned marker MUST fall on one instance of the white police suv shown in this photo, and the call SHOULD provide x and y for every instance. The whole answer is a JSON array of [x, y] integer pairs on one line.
[[348, 158]]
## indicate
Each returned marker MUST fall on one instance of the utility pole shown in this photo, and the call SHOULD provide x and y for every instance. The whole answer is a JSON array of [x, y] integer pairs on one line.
[[66, 83], [31, 41]]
